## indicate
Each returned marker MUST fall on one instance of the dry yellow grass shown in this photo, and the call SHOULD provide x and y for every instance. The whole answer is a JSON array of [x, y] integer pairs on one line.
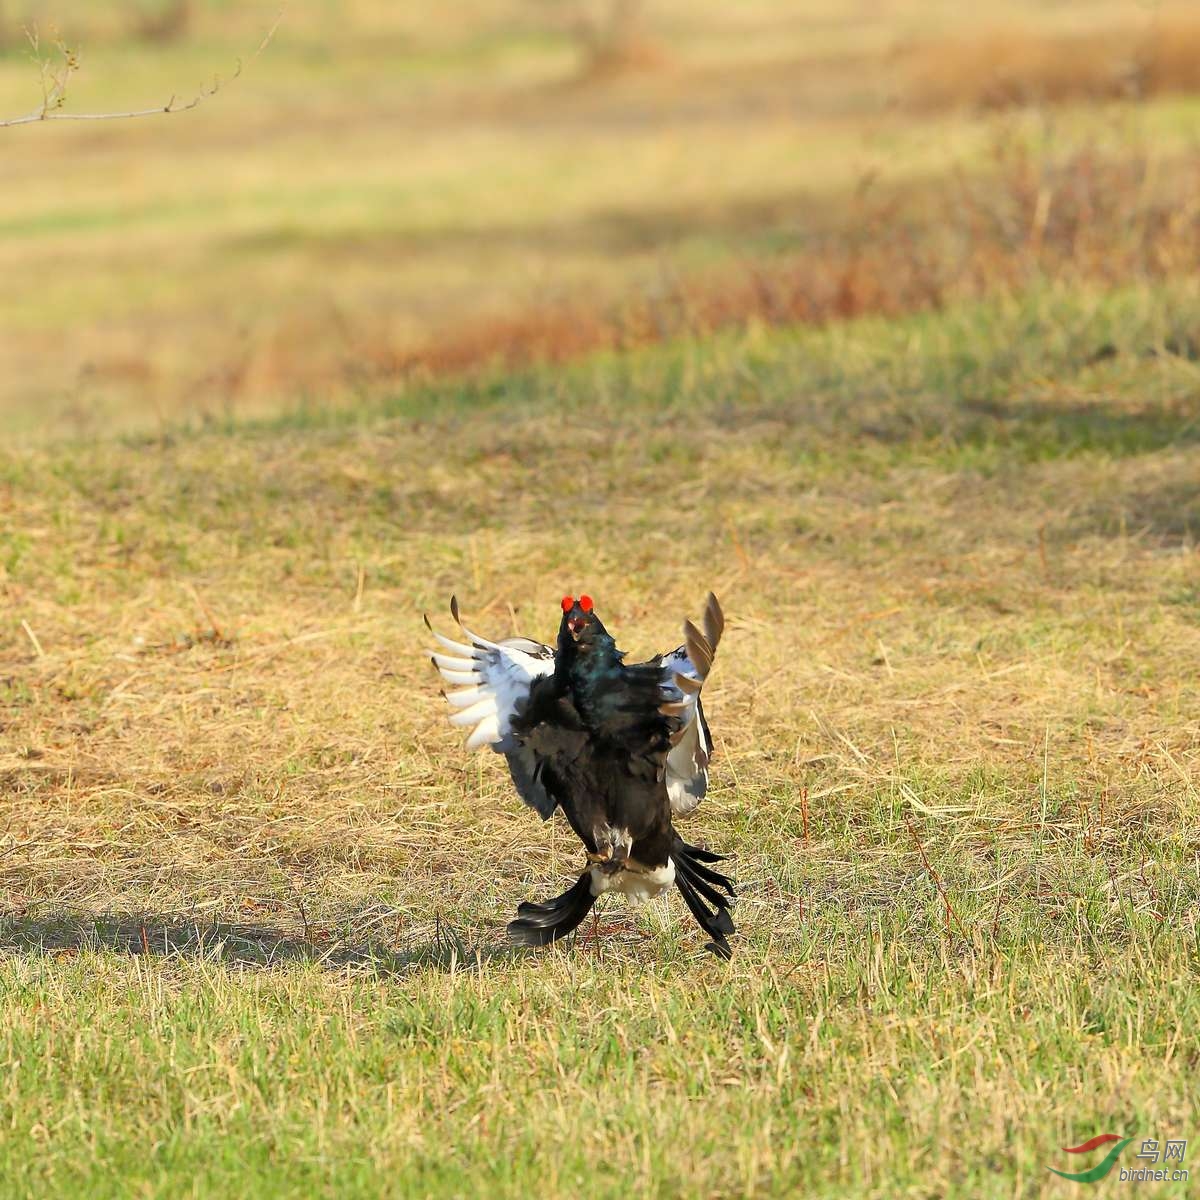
[[252, 890], [958, 558]]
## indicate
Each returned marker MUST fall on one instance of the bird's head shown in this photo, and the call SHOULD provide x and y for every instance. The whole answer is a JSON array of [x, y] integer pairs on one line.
[[580, 625]]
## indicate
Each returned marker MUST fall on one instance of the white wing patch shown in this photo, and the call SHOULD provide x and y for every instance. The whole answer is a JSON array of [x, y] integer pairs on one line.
[[683, 674], [493, 680]]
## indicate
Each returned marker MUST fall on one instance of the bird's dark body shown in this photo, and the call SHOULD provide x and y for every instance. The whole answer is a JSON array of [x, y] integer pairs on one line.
[[598, 784], [603, 783], [595, 737]]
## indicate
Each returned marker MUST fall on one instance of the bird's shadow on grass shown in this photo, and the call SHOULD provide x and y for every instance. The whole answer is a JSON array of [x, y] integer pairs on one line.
[[236, 945]]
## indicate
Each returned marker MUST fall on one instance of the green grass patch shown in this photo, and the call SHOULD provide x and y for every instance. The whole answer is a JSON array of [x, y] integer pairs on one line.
[[254, 891]]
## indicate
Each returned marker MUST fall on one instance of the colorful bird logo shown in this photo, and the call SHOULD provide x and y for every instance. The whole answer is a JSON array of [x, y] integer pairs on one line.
[[1103, 1167]]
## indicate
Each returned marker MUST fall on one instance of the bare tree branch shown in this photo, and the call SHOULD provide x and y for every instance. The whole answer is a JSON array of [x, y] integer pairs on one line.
[[56, 76]]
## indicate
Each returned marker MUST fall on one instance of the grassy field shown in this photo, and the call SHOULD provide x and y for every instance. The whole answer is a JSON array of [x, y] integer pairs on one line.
[[910, 381], [378, 192], [256, 891]]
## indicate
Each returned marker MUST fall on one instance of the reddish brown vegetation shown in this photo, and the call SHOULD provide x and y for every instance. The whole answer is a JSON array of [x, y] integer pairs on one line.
[[1085, 218], [1082, 218]]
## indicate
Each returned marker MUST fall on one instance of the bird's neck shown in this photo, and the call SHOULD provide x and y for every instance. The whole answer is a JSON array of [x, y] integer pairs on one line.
[[589, 671]]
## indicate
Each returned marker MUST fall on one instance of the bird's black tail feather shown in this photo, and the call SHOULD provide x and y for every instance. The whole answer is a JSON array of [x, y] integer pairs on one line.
[[698, 883], [541, 924]]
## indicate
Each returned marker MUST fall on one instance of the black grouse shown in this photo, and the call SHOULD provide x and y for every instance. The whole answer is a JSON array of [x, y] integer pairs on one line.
[[621, 749]]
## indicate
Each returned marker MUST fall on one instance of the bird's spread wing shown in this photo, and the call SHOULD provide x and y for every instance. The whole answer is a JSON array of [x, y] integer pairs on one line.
[[683, 674], [491, 682]]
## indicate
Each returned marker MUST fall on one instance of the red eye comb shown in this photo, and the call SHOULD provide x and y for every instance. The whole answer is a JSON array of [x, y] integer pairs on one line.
[[585, 602], [568, 603]]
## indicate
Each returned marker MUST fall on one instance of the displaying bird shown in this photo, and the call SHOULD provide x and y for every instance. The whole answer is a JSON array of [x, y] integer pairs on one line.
[[621, 749]]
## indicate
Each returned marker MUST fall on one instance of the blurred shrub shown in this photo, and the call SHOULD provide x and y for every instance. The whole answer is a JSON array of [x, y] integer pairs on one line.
[[166, 22], [1021, 67], [149, 20], [1080, 217]]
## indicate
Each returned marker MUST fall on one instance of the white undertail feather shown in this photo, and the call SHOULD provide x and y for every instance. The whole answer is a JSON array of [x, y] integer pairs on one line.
[[635, 881]]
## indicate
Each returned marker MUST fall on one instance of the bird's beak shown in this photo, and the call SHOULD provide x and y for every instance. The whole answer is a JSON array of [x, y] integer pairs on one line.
[[576, 626]]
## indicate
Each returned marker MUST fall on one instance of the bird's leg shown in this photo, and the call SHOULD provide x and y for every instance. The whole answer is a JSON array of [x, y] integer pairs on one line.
[[612, 849], [609, 862]]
